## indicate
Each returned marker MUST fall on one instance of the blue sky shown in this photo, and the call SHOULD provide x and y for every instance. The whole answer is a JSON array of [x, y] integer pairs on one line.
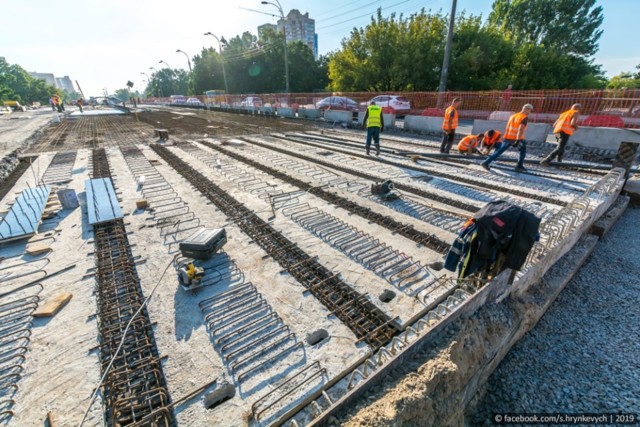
[[104, 43]]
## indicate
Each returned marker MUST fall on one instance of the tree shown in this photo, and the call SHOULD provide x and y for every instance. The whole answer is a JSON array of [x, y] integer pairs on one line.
[[569, 26], [626, 80], [391, 54], [166, 82], [481, 56], [16, 84]]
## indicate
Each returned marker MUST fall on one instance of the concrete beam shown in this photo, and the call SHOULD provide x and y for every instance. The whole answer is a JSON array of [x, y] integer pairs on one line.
[[603, 138], [339, 116], [423, 124], [286, 112], [309, 113]]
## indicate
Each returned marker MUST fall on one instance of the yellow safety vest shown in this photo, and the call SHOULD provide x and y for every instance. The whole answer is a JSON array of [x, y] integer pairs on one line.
[[563, 124], [375, 116]]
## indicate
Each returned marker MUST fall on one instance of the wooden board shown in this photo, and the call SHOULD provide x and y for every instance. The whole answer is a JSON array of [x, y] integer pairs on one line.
[[37, 249], [53, 305]]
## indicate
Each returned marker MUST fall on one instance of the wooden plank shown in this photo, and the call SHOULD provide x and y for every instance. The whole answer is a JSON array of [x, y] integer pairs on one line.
[[52, 306], [37, 249]]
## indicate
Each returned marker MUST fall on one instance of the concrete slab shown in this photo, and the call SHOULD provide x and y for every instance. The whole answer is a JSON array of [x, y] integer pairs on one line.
[[286, 112], [603, 138]]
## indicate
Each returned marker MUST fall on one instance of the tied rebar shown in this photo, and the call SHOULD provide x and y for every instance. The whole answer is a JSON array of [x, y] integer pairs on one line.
[[135, 386], [367, 322]]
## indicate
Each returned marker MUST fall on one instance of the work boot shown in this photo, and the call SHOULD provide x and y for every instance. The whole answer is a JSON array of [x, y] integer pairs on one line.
[[545, 163], [485, 166], [377, 153], [520, 169], [368, 153]]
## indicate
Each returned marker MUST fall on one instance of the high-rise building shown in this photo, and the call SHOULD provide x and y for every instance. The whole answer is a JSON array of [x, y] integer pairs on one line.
[[65, 83], [47, 77], [297, 27]]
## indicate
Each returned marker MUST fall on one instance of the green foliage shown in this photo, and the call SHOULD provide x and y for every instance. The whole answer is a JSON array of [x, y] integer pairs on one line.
[[390, 55], [626, 80], [167, 82], [531, 44], [570, 26], [17, 85], [257, 66]]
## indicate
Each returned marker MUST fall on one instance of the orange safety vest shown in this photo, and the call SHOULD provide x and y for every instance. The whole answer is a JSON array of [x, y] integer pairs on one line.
[[511, 132], [469, 141], [497, 136], [447, 115], [563, 124]]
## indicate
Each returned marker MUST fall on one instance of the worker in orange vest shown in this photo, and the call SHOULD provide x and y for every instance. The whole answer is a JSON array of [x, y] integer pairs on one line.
[[564, 127], [469, 144], [514, 137], [449, 125], [492, 139]]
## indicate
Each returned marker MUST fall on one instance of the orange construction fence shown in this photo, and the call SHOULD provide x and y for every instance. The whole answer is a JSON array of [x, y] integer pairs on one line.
[[609, 108]]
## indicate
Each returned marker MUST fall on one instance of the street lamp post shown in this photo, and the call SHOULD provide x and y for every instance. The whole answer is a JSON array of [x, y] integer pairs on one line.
[[159, 83], [286, 49], [224, 74], [188, 60]]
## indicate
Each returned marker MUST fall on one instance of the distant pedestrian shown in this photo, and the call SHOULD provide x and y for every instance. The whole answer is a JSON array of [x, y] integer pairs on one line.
[[514, 137], [449, 126], [374, 123], [53, 106], [506, 97], [564, 127], [469, 144], [58, 103], [492, 139], [79, 104]]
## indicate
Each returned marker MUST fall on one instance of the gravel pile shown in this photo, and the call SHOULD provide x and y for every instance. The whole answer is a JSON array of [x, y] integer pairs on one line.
[[584, 354]]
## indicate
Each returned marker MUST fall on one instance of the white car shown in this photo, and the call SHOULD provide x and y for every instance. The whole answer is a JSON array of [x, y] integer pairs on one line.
[[251, 101], [391, 104], [193, 101]]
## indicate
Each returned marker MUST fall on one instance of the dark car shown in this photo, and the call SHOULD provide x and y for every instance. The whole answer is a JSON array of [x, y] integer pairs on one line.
[[337, 103]]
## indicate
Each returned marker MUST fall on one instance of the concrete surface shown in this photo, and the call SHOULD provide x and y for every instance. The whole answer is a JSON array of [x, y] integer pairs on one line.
[[423, 124]]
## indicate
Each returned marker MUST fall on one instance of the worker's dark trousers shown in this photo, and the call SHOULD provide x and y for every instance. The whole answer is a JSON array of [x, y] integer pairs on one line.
[[559, 151], [373, 132], [447, 141]]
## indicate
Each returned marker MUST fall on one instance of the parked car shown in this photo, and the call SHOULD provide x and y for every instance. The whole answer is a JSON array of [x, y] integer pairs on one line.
[[251, 101], [337, 103], [391, 104], [193, 101]]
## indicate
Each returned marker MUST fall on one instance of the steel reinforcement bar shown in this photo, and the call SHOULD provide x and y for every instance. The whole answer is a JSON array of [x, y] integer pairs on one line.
[[435, 172], [409, 189], [135, 386], [367, 322], [406, 230]]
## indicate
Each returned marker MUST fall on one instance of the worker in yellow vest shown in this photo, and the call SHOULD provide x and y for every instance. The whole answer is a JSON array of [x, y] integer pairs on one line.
[[469, 144], [514, 137], [374, 123], [564, 127], [449, 126]]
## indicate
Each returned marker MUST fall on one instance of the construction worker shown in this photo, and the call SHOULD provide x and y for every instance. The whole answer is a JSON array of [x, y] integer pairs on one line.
[[492, 139], [79, 104], [449, 125], [564, 127], [469, 144], [374, 123], [514, 137]]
